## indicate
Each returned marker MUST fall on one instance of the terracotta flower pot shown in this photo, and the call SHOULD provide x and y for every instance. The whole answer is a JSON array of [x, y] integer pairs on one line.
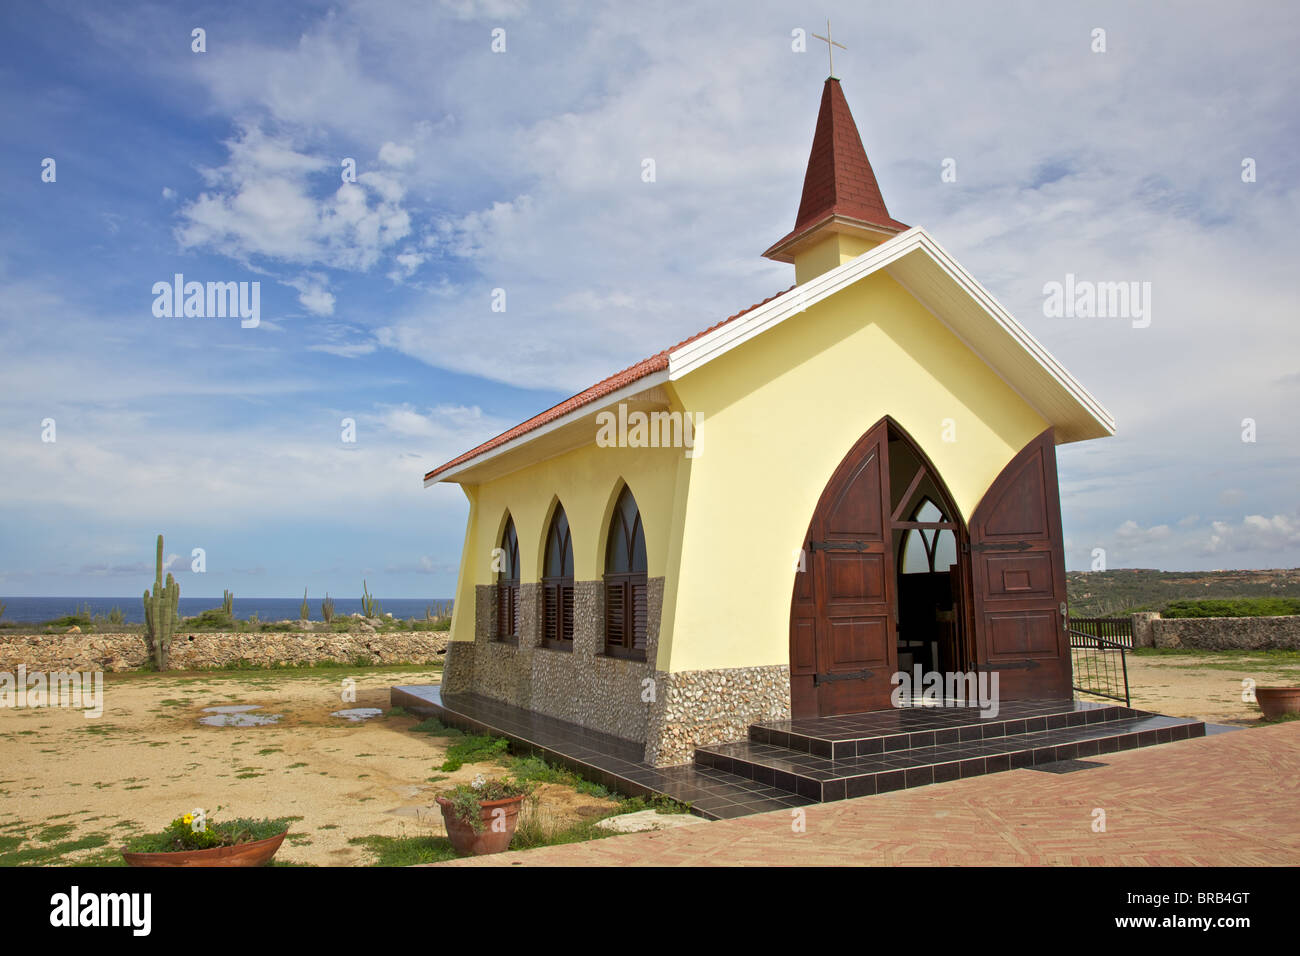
[[496, 833], [244, 854], [1276, 701]]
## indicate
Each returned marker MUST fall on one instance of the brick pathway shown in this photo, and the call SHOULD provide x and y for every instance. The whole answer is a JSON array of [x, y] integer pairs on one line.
[[1228, 800]]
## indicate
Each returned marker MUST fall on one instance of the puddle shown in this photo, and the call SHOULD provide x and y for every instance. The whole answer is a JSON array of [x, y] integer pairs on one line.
[[357, 714], [237, 715]]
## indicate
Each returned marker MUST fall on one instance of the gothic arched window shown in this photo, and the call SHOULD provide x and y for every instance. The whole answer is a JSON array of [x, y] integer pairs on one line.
[[625, 581], [557, 584], [508, 585]]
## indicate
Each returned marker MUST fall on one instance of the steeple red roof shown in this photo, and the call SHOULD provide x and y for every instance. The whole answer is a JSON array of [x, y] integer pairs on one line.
[[839, 180]]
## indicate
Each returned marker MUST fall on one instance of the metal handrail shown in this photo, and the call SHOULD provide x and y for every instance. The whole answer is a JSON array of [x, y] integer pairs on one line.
[[1090, 641]]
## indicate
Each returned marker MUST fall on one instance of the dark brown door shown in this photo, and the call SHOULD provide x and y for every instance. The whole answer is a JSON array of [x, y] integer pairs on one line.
[[1018, 577], [843, 648]]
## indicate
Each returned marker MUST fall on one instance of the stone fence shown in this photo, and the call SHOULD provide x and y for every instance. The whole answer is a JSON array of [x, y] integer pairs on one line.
[[202, 650], [1216, 633]]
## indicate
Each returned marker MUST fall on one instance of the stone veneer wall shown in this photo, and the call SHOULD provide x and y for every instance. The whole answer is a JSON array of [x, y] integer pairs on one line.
[[695, 708], [1224, 633], [670, 713], [125, 652]]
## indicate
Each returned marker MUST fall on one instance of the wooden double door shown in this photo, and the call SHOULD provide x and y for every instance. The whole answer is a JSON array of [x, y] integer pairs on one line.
[[1008, 583]]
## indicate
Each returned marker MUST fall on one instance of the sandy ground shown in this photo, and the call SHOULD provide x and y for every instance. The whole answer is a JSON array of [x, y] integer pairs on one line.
[[1206, 686], [147, 760]]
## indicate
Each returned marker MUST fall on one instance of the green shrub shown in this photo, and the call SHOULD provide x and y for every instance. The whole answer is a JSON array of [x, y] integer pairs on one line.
[[80, 617], [213, 619], [1233, 607]]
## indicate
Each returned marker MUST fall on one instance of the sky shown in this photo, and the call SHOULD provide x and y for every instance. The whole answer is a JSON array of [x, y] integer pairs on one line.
[[521, 169]]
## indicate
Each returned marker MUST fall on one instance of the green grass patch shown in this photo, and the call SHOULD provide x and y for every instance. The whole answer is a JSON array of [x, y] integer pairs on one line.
[[53, 854], [436, 728], [406, 851], [478, 749]]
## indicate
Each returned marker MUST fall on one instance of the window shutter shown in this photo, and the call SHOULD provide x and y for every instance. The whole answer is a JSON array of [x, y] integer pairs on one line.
[[566, 612], [615, 614], [637, 614], [514, 610], [551, 599]]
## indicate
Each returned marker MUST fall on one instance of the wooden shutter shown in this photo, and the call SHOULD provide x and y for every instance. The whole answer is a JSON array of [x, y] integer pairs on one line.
[[551, 599], [636, 613], [615, 614], [1018, 578], [566, 612]]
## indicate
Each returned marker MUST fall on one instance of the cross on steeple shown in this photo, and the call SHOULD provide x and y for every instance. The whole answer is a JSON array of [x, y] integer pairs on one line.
[[830, 46]]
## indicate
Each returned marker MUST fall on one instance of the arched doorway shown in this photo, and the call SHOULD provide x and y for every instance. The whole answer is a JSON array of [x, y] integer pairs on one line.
[[861, 599]]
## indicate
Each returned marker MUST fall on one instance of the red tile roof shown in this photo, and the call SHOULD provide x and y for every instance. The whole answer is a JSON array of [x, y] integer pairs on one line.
[[655, 363], [839, 179]]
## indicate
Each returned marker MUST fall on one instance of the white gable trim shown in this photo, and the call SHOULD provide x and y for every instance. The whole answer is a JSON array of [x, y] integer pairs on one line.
[[686, 359]]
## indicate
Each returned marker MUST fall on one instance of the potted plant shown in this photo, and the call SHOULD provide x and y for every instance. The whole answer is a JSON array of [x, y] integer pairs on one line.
[[191, 840], [1277, 701], [481, 816]]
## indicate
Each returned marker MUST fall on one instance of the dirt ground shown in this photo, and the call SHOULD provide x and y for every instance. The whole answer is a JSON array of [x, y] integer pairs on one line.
[[66, 780], [1207, 686]]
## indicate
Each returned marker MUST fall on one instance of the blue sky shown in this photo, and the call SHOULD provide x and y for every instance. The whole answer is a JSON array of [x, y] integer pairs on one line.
[[521, 170]]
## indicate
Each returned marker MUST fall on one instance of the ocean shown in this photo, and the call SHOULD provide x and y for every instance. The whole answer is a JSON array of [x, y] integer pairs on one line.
[[36, 610]]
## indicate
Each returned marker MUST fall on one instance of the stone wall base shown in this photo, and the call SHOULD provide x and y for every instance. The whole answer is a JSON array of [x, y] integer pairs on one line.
[[1226, 633], [696, 708], [202, 650]]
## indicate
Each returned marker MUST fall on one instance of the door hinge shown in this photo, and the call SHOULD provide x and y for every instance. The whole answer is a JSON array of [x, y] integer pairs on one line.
[[1000, 546], [841, 546], [846, 675]]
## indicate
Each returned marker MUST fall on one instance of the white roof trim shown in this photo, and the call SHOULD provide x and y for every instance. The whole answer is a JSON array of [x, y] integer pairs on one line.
[[637, 386], [693, 355]]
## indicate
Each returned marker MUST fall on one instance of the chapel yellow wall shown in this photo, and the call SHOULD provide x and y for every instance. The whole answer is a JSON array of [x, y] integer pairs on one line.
[[586, 482], [832, 252], [779, 413]]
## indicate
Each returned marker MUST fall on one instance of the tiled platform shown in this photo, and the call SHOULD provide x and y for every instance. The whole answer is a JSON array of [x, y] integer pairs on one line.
[[796, 763], [964, 752]]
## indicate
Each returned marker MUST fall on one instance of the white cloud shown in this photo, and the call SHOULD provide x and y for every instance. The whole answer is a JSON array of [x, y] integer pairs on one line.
[[1256, 533], [313, 293], [271, 201], [390, 154]]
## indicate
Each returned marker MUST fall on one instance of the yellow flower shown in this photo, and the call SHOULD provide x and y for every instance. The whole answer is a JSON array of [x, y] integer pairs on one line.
[[187, 819]]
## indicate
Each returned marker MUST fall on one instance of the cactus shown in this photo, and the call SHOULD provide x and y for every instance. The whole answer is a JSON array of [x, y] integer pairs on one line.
[[327, 609], [304, 612], [369, 606], [160, 614], [2, 608], [228, 603]]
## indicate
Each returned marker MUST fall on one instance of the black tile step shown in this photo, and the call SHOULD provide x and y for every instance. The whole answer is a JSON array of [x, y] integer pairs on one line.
[[906, 728], [823, 779]]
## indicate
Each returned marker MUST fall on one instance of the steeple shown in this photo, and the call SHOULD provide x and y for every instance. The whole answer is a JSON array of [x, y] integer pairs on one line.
[[841, 213]]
